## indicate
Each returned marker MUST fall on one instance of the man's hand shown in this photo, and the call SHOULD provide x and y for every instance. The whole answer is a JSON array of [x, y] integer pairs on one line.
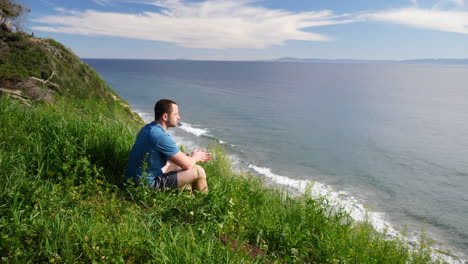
[[201, 155], [186, 162]]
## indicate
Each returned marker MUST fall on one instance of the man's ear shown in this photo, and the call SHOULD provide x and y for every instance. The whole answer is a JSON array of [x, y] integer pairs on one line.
[[164, 117]]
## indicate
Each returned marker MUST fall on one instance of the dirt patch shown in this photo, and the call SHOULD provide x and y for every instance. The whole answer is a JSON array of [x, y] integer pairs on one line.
[[251, 251]]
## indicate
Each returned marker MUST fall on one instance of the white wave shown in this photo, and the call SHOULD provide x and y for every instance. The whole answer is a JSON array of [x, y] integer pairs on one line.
[[188, 144], [340, 199], [192, 130], [147, 117]]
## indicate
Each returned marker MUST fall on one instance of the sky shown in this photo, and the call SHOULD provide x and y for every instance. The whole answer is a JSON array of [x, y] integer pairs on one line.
[[254, 29]]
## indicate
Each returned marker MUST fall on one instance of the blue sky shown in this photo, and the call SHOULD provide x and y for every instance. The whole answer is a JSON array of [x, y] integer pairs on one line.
[[250, 29]]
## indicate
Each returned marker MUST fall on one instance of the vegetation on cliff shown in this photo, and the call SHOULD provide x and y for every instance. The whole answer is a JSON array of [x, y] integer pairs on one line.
[[36, 70]]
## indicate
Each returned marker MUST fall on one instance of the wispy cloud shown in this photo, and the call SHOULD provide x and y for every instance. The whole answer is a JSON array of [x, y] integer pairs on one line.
[[48, 3], [209, 24], [102, 2], [434, 19]]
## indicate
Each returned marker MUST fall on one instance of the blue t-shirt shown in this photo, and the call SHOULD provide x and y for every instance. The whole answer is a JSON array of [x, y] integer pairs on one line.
[[152, 148]]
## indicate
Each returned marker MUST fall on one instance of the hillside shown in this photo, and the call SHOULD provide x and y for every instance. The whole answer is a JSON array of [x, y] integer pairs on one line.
[[34, 70]]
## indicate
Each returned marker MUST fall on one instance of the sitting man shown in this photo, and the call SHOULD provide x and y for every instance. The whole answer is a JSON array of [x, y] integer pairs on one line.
[[155, 155]]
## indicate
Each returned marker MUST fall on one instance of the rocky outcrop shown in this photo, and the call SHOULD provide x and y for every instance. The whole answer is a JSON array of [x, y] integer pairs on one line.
[[6, 27], [30, 90], [16, 94]]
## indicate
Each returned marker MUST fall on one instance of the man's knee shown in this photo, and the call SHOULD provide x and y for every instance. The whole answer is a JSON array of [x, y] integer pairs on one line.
[[200, 172]]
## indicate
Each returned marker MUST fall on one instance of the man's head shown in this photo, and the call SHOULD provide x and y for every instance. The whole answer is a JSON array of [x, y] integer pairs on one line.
[[167, 111]]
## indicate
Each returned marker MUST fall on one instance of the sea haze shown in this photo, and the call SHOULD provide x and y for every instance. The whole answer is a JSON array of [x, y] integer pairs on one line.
[[391, 137]]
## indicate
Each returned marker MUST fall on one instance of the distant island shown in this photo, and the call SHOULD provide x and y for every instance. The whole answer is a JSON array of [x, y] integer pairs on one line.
[[416, 61]]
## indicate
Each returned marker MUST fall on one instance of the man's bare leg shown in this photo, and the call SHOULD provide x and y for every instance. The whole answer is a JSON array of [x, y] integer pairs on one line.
[[195, 176], [170, 167]]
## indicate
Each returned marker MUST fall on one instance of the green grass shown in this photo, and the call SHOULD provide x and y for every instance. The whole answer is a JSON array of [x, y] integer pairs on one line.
[[61, 200], [21, 58]]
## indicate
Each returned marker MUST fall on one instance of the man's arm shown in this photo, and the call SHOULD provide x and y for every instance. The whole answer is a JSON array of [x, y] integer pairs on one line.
[[186, 162]]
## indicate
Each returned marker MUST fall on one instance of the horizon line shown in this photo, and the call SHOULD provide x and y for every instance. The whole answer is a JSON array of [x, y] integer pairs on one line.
[[294, 59]]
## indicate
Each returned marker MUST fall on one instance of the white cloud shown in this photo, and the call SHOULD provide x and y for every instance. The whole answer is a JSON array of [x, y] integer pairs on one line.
[[208, 24], [102, 2], [47, 2], [434, 19]]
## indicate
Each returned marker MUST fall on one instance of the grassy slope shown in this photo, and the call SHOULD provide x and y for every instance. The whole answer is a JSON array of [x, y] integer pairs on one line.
[[60, 200], [22, 56]]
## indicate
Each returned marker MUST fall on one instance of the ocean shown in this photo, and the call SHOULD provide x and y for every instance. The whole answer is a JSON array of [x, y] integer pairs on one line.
[[388, 142]]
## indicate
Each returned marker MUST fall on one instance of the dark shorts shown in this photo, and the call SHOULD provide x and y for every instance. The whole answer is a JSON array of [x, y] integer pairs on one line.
[[166, 181]]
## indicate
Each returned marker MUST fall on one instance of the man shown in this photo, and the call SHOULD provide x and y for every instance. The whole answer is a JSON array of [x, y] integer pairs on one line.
[[155, 155]]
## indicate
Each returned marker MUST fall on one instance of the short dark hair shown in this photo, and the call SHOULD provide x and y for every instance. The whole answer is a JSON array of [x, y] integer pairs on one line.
[[163, 106]]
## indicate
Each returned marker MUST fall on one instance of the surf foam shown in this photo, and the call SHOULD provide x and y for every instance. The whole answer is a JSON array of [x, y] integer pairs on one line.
[[341, 199], [338, 199], [147, 117], [192, 130]]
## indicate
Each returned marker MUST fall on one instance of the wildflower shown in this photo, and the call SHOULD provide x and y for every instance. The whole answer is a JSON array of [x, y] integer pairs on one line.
[[294, 251]]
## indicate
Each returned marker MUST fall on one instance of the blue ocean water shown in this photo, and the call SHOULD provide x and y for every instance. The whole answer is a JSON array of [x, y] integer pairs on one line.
[[392, 138]]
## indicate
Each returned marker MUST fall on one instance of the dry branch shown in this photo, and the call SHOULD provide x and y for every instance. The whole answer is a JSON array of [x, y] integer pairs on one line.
[[47, 82]]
